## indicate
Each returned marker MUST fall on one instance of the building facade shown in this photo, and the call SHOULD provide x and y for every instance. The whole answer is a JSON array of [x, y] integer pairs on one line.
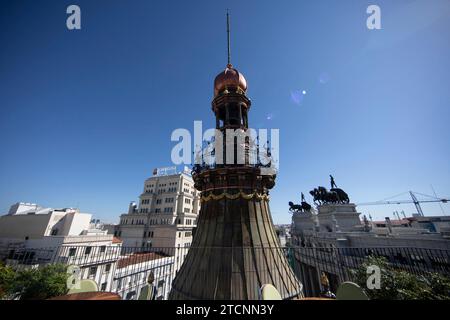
[[165, 216], [330, 240], [134, 271], [32, 235]]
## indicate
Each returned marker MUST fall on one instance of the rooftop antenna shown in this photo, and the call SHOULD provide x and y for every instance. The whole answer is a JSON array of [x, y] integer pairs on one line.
[[228, 38]]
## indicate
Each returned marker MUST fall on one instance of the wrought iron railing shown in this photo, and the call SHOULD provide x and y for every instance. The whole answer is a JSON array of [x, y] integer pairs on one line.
[[127, 270]]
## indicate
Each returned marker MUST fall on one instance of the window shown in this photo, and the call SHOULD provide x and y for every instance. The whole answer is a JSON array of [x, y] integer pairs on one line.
[[54, 232], [103, 287], [158, 201], [157, 210], [102, 249], [72, 252], [168, 209], [168, 200], [87, 250], [108, 267], [92, 271], [187, 210], [188, 201]]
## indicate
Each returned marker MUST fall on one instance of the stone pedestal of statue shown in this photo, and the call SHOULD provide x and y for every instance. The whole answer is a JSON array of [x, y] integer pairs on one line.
[[344, 214]]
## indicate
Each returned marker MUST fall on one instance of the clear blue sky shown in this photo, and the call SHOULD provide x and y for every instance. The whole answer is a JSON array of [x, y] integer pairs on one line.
[[86, 115]]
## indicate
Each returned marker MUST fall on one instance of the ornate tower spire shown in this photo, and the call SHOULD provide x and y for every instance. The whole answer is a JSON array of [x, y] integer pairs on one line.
[[228, 39], [235, 249]]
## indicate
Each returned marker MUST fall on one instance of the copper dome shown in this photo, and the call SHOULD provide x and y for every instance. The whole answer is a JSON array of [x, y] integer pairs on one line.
[[229, 78]]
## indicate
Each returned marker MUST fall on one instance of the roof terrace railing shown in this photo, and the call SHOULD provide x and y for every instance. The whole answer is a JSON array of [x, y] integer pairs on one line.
[[127, 270]]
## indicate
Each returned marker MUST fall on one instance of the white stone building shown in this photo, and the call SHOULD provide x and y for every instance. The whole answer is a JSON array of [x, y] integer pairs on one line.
[[331, 238], [165, 215], [133, 271], [31, 235], [339, 225]]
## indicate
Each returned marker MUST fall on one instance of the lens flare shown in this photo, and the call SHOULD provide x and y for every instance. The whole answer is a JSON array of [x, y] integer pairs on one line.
[[324, 78], [297, 96]]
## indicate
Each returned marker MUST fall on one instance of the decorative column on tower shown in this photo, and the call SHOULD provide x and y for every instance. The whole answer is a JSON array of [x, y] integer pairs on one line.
[[235, 250]]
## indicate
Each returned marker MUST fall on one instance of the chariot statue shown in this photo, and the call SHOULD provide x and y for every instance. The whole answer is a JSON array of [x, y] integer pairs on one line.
[[303, 207], [336, 195]]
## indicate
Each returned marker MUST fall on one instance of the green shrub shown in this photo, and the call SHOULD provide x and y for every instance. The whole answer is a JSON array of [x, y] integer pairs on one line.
[[6, 280], [39, 283], [402, 285]]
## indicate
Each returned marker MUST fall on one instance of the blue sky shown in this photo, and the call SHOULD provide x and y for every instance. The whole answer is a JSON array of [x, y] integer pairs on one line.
[[86, 115]]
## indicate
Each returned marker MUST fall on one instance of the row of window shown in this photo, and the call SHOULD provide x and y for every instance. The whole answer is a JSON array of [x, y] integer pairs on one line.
[[87, 250], [135, 279], [93, 270], [166, 200], [162, 184], [161, 191], [187, 222], [133, 221], [149, 234], [160, 221], [186, 234], [157, 210], [166, 210]]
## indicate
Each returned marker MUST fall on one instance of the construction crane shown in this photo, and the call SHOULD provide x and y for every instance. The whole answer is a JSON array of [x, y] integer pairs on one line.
[[413, 200]]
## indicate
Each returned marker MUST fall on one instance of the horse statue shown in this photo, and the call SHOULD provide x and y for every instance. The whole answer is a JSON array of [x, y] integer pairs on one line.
[[341, 194], [294, 207], [303, 207], [322, 196]]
